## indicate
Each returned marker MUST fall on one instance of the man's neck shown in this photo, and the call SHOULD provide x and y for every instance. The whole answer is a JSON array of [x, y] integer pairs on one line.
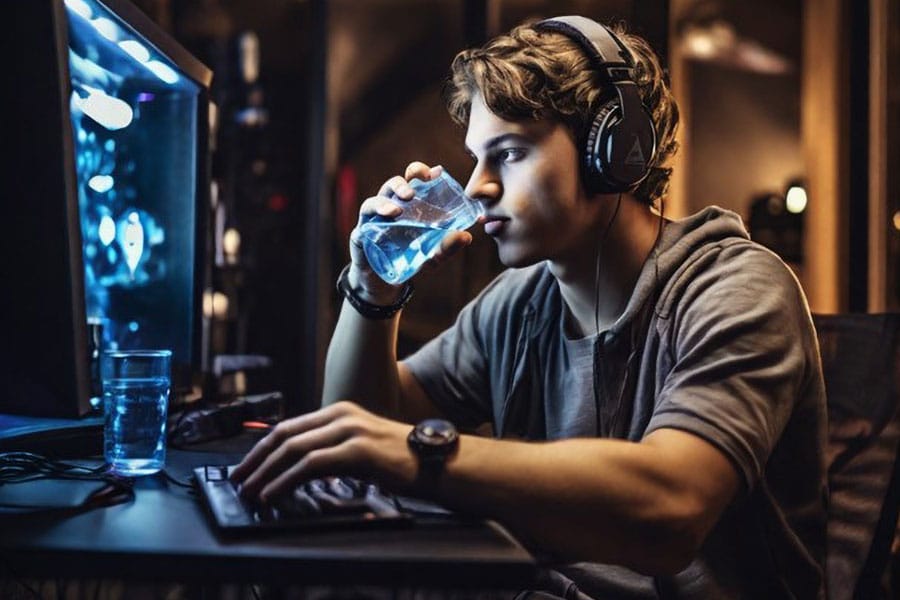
[[623, 249]]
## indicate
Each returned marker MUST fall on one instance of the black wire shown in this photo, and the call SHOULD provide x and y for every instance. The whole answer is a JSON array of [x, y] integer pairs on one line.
[[638, 334], [603, 235], [659, 234], [597, 342], [20, 467]]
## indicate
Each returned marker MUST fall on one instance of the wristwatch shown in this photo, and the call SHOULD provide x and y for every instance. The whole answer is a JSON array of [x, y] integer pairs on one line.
[[433, 441]]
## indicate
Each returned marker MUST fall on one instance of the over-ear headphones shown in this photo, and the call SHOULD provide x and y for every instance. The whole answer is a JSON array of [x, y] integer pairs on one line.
[[621, 141]]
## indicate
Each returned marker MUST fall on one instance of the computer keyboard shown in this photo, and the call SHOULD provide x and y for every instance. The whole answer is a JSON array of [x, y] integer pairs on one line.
[[321, 503]]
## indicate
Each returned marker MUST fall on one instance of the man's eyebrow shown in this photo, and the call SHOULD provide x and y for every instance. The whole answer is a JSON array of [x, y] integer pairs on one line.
[[496, 141]]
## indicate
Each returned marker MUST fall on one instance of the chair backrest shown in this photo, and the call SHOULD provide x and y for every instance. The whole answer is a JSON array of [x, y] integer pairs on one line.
[[861, 365]]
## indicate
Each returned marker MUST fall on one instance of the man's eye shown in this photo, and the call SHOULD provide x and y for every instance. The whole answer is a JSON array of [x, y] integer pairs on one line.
[[510, 154]]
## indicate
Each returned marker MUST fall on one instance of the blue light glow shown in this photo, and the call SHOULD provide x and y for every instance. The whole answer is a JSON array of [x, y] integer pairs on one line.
[[107, 28], [107, 230], [101, 183], [131, 239], [133, 326], [79, 7], [135, 50], [110, 112], [163, 71]]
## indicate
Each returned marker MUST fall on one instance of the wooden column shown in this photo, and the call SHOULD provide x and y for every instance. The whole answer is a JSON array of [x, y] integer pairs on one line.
[[677, 201], [878, 150], [824, 128]]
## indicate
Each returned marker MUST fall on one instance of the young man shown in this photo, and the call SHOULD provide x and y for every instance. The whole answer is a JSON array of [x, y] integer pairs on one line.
[[654, 387]]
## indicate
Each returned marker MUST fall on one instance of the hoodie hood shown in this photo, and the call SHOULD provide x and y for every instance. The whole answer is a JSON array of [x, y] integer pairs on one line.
[[679, 241]]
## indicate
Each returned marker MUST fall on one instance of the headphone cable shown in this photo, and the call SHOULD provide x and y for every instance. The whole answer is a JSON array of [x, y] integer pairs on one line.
[[597, 269], [597, 342]]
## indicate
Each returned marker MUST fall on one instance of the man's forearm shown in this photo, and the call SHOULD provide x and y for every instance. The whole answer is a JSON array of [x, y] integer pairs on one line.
[[642, 505], [361, 364]]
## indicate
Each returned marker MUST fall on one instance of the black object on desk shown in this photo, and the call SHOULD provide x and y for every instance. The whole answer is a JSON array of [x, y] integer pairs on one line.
[[325, 503], [58, 438], [164, 535]]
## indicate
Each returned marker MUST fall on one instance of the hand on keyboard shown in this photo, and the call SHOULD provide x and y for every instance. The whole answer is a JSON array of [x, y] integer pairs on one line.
[[316, 503], [333, 496]]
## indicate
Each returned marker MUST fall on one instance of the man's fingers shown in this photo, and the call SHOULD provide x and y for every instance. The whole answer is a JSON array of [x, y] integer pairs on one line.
[[454, 241], [396, 186], [381, 206], [281, 433], [419, 170], [450, 245], [318, 463], [288, 454]]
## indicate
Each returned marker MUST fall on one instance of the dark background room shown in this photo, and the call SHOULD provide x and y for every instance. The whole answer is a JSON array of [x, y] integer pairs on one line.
[[790, 117]]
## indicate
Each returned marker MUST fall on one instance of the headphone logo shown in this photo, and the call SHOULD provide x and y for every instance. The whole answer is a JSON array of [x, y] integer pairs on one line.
[[635, 156]]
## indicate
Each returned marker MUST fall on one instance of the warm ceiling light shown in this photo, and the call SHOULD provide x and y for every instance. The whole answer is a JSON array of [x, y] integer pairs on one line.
[[795, 199]]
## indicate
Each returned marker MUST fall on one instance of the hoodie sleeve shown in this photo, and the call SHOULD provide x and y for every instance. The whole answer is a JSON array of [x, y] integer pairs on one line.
[[743, 351]]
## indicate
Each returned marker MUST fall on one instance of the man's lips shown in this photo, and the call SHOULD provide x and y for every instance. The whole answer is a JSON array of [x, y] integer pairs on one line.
[[494, 225]]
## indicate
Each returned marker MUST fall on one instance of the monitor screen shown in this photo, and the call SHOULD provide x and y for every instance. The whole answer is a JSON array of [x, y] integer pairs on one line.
[[107, 193]]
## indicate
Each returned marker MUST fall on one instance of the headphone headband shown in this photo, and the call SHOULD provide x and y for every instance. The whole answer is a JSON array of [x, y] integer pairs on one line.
[[621, 140], [608, 53]]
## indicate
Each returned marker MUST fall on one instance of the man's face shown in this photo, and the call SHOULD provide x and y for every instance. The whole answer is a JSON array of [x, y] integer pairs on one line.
[[526, 173]]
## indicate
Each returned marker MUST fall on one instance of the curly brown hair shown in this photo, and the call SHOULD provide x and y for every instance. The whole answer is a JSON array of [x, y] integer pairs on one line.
[[530, 74]]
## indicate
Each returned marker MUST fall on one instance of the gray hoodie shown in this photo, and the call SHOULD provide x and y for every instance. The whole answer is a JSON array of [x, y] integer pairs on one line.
[[716, 340]]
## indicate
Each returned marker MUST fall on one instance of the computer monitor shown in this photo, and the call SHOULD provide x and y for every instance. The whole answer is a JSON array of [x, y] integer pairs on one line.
[[105, 189]]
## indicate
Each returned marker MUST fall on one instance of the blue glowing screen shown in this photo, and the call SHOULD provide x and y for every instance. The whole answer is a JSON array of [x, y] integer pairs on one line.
[[134, 118]]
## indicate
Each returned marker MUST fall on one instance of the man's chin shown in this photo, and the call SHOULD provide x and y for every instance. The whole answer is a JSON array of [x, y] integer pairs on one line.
[[512, 259]]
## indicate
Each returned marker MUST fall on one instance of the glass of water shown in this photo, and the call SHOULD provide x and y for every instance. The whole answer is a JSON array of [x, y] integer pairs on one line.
[[135, 401], [396, 248]]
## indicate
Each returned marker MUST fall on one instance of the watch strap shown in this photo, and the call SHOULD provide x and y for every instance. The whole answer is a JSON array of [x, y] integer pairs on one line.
[[367, 309]]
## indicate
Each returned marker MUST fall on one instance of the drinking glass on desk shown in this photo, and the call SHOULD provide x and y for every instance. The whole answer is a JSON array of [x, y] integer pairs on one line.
[[135, 401]]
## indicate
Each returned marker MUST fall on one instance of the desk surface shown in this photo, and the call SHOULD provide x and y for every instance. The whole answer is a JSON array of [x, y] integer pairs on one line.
[[165, 534]]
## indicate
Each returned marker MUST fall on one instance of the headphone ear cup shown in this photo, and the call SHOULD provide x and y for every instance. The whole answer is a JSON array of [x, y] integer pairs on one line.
[[597, 151], [618, 150]]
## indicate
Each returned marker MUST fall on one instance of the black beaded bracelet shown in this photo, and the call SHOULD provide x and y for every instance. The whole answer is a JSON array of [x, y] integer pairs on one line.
[[367, 309]]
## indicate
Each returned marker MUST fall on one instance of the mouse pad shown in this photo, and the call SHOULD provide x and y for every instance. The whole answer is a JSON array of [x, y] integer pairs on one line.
[[43, 495]]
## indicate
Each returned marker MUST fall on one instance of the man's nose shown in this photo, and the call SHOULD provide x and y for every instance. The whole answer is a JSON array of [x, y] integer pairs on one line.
[[483, 186]]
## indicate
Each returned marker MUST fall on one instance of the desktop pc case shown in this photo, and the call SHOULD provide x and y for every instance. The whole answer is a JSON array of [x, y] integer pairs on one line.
[[104, 197]]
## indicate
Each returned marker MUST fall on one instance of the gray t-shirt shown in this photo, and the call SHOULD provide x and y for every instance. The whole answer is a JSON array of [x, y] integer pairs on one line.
[[716, 340]]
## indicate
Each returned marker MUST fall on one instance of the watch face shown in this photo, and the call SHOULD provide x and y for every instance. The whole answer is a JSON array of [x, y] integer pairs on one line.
[[436, 431], [434, 437]]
